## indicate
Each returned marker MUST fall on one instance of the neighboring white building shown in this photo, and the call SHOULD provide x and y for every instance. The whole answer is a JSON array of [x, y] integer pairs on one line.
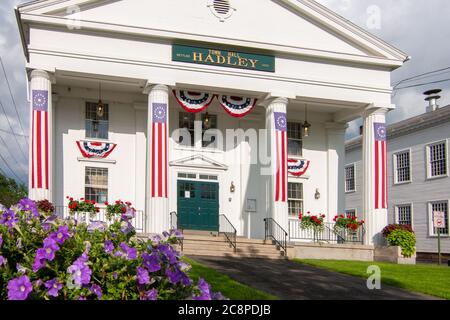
[[289, 55], [418, 176]]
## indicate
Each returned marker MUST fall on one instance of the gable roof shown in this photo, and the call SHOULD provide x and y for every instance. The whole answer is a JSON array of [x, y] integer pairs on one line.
[[376, 50]]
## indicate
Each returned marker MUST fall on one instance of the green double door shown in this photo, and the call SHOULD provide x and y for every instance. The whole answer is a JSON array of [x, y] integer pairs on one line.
[[198, 205]]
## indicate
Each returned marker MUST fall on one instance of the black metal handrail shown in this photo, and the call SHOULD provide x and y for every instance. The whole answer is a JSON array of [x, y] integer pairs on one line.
[[276, 232], [175, 225], [228, 230], [329, 233]]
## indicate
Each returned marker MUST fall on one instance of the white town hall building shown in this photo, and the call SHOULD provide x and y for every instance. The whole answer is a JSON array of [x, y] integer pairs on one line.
[[263, 90]]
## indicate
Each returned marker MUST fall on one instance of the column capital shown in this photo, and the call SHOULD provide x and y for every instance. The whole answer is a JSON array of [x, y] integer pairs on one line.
[[273, 100], [151, 86], [374, 108], [38, 73]]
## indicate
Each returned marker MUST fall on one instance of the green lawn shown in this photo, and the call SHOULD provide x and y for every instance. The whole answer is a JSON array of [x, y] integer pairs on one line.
[[429, 279], [231, 289]]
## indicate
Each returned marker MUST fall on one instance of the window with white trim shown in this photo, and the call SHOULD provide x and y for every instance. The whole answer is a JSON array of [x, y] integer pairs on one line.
[[96, 184], [187, 121], [404, 214], [437, 159], [208, 137], [350, 213], [295, 142], [95, 126], [295, 199], [402, 167], [350, 178], [439, 206]]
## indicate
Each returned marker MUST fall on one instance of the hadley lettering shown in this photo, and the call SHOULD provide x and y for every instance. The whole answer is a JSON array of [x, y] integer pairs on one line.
[[231, 59]]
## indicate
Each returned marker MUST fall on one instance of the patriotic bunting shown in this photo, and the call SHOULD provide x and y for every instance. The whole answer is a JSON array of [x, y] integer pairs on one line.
[[281, 157], [40, 140], [159, 151], [90, 149], [380, 166], [298, 168], [237, 107], [193, 102]]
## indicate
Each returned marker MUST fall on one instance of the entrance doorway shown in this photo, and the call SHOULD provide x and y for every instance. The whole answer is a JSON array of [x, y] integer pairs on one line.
[[198, 205]]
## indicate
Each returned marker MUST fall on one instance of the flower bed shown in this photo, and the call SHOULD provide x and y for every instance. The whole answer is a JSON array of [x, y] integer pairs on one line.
[[44, 257]]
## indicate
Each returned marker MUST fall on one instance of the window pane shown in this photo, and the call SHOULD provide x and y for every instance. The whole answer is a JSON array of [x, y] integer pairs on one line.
[[95, 126], [209, 139], [350, 213], [295, 199], [295, 144], [403, 167], [350, 178], [187, 120], [438, 159], [440, 207], [404, 215]]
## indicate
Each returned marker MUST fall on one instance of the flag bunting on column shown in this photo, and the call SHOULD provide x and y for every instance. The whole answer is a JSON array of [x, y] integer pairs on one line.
[[40, 141], [193, 102], [380, 166], [237, 107], [281, 157], [91, 149], [298, 167], [159, 151]]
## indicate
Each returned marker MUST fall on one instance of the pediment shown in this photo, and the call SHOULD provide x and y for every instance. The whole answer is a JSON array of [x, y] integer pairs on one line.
[[198, 161], [284, 25]]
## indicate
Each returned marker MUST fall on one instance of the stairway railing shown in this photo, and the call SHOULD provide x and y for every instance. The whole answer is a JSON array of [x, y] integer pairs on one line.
[[175, 225], [228, 230], [275, 232]]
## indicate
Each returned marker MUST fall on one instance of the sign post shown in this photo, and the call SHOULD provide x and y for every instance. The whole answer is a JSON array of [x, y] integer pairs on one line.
[[439, 223]]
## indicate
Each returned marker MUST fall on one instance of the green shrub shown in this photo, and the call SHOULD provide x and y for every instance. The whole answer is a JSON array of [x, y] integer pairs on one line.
[[404, 239]]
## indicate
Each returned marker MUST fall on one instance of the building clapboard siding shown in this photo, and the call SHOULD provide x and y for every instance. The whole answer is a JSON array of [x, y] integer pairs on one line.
[[411, 135]]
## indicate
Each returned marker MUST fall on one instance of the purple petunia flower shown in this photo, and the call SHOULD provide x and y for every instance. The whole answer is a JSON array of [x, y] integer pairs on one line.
[[126, 227], [47, 224], [151, 262], [96, 225], [115, 275], [2, 261], [82, 297], [79, 271], [142, 276], [61, 235], [168, 252], [48, 251], [97, 290], [28, 205], [19, 288], [126, 252], [9, 218], [205, 290], [150, 295], [39, 263], [53, 287], [174, 275], [109, 246]]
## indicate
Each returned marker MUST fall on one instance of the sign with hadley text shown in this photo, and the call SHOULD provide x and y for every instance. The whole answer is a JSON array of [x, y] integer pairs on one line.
[[223, 58], [439, 219]]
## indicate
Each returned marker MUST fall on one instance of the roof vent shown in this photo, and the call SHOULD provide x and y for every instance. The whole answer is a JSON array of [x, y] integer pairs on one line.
[[221, 9], [432, 98]]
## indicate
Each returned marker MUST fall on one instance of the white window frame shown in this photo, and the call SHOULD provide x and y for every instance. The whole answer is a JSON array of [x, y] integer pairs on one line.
[[296, 139], [396, 213], [351, 209], [96, 186], [428, 162], [85, 119], [354, 178], [431, 233], [395, 168], [296, 199]]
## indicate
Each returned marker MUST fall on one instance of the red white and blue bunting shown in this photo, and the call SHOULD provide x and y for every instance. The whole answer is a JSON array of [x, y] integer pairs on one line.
[[193, 102], [298, 168], [237, 107], [91, 149]]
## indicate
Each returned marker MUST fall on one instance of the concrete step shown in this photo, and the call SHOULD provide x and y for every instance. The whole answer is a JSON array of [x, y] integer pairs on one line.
[[267, 251], [231, 254]]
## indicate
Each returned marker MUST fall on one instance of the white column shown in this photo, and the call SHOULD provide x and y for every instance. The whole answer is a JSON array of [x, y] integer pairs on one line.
[[276, 124], [157, 213], [375, 174], [41, 137], [335, 168]]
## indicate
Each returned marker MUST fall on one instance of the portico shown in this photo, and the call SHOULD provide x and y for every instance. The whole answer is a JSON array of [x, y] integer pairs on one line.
[[240, 113]]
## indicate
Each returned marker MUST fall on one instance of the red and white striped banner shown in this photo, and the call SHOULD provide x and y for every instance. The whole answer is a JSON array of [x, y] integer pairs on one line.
[[380, 166], [281, 156], [237, 107], [159, 151], [40, 141]]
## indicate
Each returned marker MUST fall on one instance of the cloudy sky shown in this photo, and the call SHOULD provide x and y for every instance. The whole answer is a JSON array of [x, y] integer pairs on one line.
[[419, 28]]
